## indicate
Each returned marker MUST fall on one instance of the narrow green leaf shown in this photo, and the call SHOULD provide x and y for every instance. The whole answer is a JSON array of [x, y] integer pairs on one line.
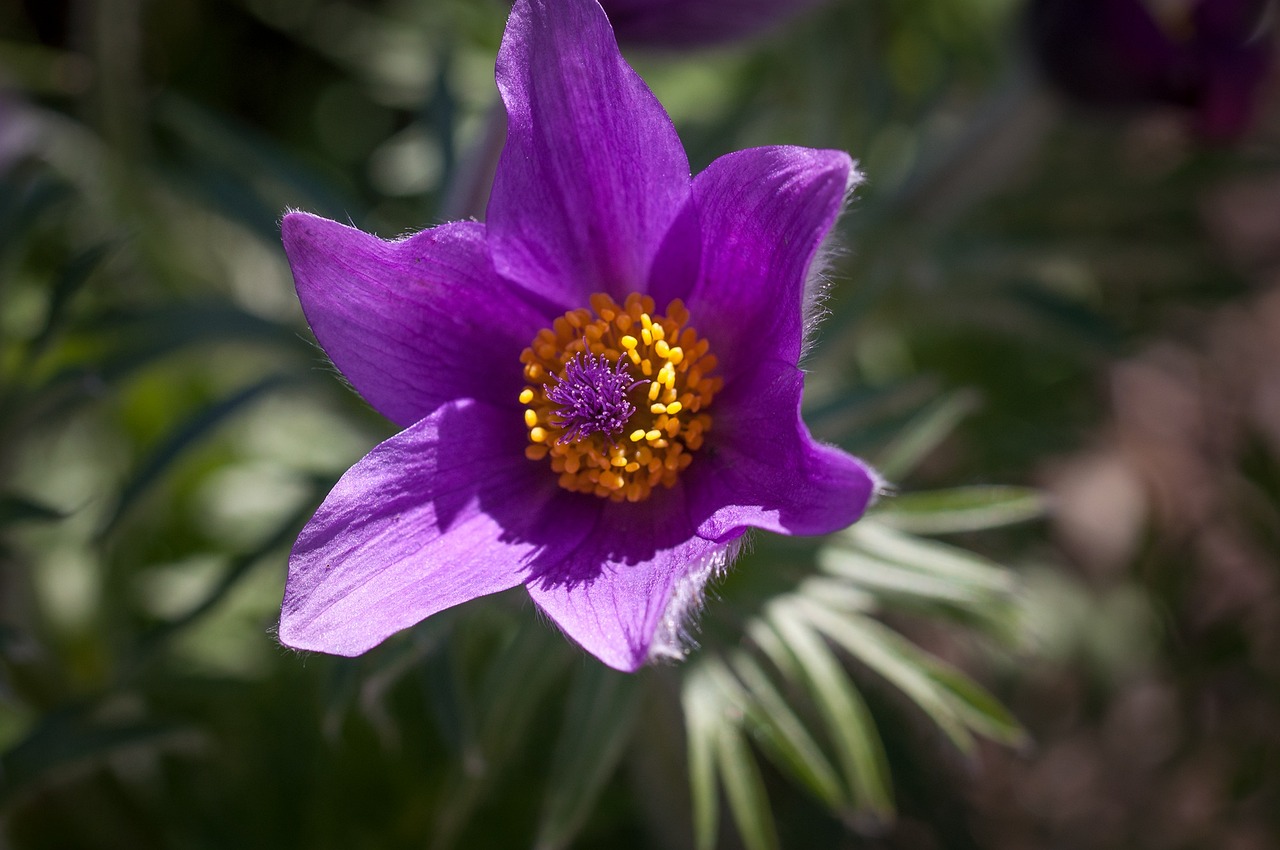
[[924, 434], [783, 735], [896, 659], [196, 427], [929, 557], [24, 199], [961, 509], [849, 724], [744, 789], [517, 679], [135, 338], [889, 578], [237, 569], [512, 688], [74, 737], [702, 715], [444, 688], [980, 711], [599, 717], [836, 593], [16, 509], [241, 171], [69, 282]]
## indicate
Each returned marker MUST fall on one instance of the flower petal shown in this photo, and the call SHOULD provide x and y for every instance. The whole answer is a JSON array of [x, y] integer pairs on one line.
[[593, 172], [614, 594], [443, 512], [415, 323], [742, 248], [761, 468]]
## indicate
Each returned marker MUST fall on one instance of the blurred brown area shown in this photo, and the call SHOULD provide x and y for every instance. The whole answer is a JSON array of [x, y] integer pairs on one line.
[[1179, 497]]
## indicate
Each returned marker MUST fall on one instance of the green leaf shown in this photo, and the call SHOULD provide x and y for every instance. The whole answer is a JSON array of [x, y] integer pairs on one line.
[[954, 701], [444, 688], [703, 715], [237, 569], [512, 688], [924, 434], [889, 578], [132, 339], [69, 282], [849, 724], [896, 659], [837, 593], [602, 707], [926, 557], [16, 509], [744, 789], [246, 174], [24, 199], [195, 428], [961, 509], [980, 711], [517, 679], [73, 737], [783, 735]]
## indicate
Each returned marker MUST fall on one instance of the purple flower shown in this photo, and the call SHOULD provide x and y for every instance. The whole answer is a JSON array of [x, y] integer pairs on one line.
[[686, 23], [1210, 56], [598, 387]]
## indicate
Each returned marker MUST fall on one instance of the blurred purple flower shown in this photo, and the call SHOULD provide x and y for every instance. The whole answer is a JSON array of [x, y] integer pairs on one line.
[[598, 388], [687, 23], [1210, 56]]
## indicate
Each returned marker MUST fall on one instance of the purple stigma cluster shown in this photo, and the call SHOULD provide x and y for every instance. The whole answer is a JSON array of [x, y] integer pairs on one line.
[[592, 397]]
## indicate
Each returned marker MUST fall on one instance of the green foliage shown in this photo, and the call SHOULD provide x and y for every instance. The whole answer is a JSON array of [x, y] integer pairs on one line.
[[166, 427]]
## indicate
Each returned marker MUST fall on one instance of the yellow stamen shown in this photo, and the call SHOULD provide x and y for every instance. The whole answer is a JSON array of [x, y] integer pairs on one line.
[[674, 387]]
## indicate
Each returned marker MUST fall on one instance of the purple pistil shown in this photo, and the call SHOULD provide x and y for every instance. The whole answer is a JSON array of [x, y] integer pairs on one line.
[[592, 397]]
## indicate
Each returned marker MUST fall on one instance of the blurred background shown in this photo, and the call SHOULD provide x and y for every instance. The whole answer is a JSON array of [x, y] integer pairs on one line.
[[1054, 325]]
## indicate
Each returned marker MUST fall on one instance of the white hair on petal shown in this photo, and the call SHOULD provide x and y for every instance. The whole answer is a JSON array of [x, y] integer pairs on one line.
[[673, 638], [817, 283], [881, 487]]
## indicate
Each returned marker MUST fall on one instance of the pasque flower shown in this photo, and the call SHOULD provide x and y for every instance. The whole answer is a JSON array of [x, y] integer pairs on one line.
[[1209, 56], [598, 386]]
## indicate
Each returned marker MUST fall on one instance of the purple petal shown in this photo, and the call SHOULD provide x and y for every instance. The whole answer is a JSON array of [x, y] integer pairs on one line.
[[592, 173], [412, 324], [762, 469], [679, 23], [624, 593], [742, 248], [443, 512]]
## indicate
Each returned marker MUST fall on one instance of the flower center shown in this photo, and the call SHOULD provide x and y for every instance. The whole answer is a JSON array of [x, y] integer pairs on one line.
[[617, 396]]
